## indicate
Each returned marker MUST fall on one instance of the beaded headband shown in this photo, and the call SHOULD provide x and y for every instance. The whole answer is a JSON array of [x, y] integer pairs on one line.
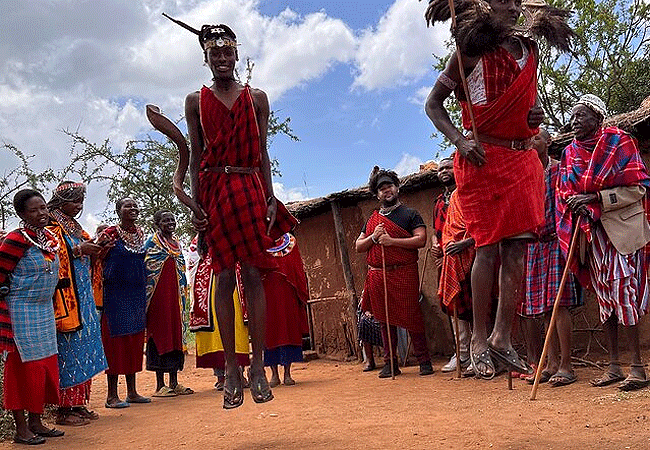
[[209, 35], [66, 186]]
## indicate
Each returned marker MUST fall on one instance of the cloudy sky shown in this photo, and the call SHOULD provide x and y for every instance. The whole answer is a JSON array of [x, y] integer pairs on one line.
[[351, 75]]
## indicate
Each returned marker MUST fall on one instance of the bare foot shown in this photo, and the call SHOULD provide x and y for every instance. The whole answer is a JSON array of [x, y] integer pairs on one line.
[[275, 380]]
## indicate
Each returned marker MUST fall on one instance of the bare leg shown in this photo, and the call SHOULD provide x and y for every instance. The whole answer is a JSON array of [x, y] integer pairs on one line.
[[111, 396], [160, 379], [482, 284], [532, 333], [553, 357], [256, 302], [22, 430], [370, 357], [288, 381], [613, 372], [637, 369], [132, 395], [563, 327], [173, 379], [35, 423], [275, 376], [226, 317], [512, 253]]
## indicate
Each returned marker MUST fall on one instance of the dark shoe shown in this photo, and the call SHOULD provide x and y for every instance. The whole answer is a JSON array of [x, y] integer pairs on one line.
[[385, 371], [510, 358], [606, 379], [49, 433], [260, 389], [233, 396], [34, 440], [426, 368]]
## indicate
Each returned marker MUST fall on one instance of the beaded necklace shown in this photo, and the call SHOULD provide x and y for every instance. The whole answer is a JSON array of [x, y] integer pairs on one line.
[[69, 224], [133, 240], [45, 239], [386, 211], [171, 245]]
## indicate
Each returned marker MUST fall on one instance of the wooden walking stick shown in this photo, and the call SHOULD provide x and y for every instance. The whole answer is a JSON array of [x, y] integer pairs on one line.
[[390, 341], [551, 325]]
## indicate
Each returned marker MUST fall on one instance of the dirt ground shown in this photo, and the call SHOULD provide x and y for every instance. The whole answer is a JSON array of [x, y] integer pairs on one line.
[[336, 406]]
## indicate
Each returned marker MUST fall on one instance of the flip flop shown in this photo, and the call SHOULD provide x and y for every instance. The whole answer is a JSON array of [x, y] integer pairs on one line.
[[182, 390], [139, 399], [233, 396], [260, 389], [53, 432], [482, 358], [606, 379], [117, 405], [632, 383], [562, 379], [510, 358], [34, 440], [85, 413], [543, 378], [165, 392]]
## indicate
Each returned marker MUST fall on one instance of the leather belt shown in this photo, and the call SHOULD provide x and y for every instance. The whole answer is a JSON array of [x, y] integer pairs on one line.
[[392, 267], [513, 144], [232, 169]]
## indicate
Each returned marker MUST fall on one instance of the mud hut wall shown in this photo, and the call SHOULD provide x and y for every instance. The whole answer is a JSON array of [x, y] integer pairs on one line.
[[329, 299]]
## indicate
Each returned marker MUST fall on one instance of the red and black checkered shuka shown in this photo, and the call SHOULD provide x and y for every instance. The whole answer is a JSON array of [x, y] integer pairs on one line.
[[439, 215], [402, 280], [505, 196], [235, 202]]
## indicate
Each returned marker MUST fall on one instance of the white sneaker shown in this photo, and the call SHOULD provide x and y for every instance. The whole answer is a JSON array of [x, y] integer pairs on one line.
[[450, 366]]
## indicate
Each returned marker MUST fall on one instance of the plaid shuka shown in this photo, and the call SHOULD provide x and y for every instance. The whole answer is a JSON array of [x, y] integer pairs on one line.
[[33, 281], [545, 263], [454, 289], [401, 279], [608, 160], [235, 202], [492, 195], [440, 214]]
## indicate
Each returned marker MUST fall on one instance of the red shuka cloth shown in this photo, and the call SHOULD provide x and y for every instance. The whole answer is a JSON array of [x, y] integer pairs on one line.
[[505, 196], [164, 321], [32, 384], [455, 284], [124, 354], [78, 395], [402, 280], [286, 301], [235, 202]]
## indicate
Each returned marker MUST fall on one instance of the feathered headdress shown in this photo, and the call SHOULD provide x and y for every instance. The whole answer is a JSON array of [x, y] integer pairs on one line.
[[477, 33]]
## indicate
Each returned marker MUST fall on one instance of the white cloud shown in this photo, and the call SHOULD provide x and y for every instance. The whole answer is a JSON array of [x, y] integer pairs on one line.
[[407, 165], [420, 96], [400, 48], [287, 195]]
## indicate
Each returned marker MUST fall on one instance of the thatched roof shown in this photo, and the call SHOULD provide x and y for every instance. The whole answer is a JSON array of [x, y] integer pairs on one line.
[[410, 183], [636, 122]]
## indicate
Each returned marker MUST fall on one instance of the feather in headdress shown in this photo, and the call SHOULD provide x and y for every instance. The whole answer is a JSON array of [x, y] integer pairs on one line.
[[476, 33]]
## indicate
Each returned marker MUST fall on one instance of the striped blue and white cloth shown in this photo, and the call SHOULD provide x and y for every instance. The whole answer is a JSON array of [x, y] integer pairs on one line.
[[33, 282]]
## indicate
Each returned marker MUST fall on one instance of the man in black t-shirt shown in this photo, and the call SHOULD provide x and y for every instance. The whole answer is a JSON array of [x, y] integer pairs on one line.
[[392, 236]]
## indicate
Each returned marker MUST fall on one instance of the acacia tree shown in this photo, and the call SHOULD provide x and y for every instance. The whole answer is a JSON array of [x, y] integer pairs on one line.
[[609, 58]]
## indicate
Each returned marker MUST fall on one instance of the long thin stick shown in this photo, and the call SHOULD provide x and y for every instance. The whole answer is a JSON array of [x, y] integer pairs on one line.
[[461, 70], [390, 341], [551, 325], [458, 374]]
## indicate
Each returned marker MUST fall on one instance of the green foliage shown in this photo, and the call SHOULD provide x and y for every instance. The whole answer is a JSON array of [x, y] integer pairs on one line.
[[609, 58], [19, 177]]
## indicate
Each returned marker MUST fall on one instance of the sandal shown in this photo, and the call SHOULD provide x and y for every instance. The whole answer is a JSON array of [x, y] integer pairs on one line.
[[483, 358], [85, 413], [606, 379], [543, 378], [71, 419], [510, 358], [50, 433], [165, 391], [562, 379], [260, 389], [633, 383], [182, 390], [233, 397]]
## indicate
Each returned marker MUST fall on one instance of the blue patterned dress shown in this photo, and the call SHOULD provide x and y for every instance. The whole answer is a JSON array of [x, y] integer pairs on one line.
[[81, 354]]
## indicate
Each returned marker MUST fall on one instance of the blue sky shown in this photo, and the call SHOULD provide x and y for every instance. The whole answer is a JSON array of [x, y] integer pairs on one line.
[[351, 75]]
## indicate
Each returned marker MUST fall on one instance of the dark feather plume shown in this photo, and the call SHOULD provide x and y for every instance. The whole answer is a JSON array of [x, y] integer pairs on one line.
[[183, 24], [550, 23]]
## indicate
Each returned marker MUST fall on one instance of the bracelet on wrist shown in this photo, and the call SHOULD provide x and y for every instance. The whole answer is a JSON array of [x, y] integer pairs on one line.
[[372, 238], [270, 199]]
